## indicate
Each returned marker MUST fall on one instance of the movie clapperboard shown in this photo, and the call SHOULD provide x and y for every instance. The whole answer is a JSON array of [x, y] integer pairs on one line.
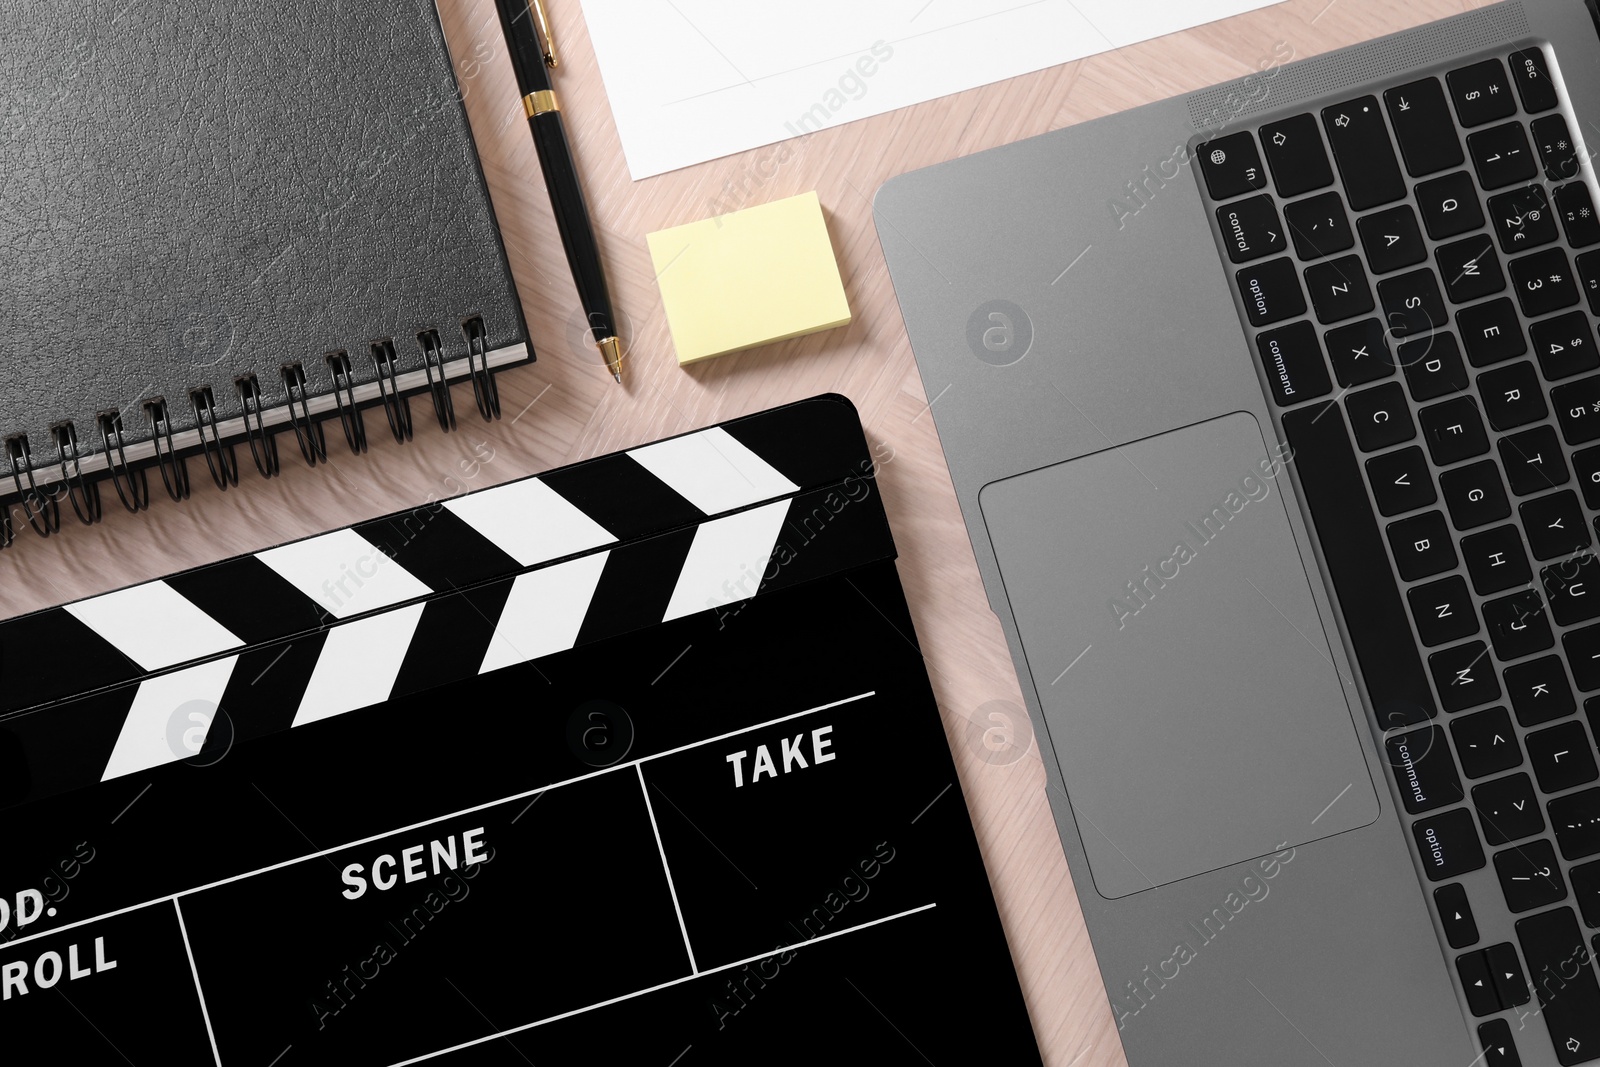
[[632, 762]]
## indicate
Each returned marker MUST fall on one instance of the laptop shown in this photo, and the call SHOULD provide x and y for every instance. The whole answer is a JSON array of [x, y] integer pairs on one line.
[[1274, 416]]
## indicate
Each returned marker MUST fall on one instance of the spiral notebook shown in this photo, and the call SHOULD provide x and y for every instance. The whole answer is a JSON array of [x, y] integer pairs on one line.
[[226, 222], [634, 762]]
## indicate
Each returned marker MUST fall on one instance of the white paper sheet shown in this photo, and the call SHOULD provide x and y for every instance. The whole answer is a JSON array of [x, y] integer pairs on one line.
[[692, 80]]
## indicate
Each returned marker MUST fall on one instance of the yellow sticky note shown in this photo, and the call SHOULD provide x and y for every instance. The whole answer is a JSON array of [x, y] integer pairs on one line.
[[748, 278]]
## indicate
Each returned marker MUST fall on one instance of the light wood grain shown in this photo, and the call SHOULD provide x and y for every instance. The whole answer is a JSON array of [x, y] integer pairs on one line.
[[566, 408]]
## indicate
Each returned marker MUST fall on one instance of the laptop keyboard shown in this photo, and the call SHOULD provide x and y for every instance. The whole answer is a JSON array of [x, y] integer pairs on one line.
[[1413, 272]]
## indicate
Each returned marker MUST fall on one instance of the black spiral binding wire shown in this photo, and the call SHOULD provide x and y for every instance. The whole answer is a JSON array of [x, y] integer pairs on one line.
[[84, 495], [344, 395], [43, 512], [484, 389], [307, 431], [439, 386], [174, 469], [395, 404], [263, 445], [224, 465], [42, 506], [136, 497]]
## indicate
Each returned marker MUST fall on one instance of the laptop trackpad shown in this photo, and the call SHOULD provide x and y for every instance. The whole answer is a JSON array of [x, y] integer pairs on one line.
[[1185, 677]]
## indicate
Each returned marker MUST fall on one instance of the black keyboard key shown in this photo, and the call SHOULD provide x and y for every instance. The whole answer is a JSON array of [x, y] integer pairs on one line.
[[1583, 656], [1586, 465], [1533, 461], [1569, 996], [1576, 208], [1562, 759], [1557, 151], [1564, 345], [1496, 560], [1460, 928], [1339, 289], [1354, 554], [1576, 818], [1231, 165], [1470, 268], [1422, 546], [1486, 743], [1443, 611], [1508, 809], [1401, 481], [1481, 93], [1449, 205], [1422, 126], [1319, 226], [1490, 332], [1502, 156], [1379, 416], [1271, 291], [1449, 844], [1518, 624], [1359, 352], [1475, 495], [1523, 219], [1465, 676], [1499, 1050], [1539, 690], [1424, 769], [1586, 891], [1293, 361], [1543, 282], [1554, 525], [1433, 366], [1361, 148], [1588, 267], [1510, 984], [1391, 239], [1512, 396], [1411, 303], [1453, 430], [1477, 983], [1295, 155], [1532, 78], [1530, 876], [1578, 409], [1572, 587], [1250, 229]]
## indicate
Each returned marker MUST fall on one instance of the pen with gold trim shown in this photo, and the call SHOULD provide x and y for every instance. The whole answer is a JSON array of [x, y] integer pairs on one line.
[[533, 55]]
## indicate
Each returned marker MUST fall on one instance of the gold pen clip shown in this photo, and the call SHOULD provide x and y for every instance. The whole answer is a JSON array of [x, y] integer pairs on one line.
[[547, 42]]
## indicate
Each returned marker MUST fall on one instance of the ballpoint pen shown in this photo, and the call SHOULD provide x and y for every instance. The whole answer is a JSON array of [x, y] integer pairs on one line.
[[533, 54]]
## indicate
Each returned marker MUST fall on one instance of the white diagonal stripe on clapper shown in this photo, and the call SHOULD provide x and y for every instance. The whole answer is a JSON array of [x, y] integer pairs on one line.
[[529, 521], [544, 612], [358, 665], [153, 625], [713, 471], [165, 710], [726, 560], [344, 572]]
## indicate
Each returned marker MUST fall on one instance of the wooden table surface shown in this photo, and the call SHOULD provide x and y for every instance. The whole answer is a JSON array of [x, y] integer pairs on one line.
[[565, 407]]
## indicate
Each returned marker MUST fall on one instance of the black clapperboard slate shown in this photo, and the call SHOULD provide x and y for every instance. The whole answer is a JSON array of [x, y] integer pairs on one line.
[[632, 762]]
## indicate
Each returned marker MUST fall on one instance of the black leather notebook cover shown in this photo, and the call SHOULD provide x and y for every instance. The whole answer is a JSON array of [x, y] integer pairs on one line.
[[635, 762], [194, 193]]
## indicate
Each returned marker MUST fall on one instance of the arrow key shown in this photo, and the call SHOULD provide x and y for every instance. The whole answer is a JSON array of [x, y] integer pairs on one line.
[[1460, 929], [1477, 983], [1499, 1050], [1506, 971]]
